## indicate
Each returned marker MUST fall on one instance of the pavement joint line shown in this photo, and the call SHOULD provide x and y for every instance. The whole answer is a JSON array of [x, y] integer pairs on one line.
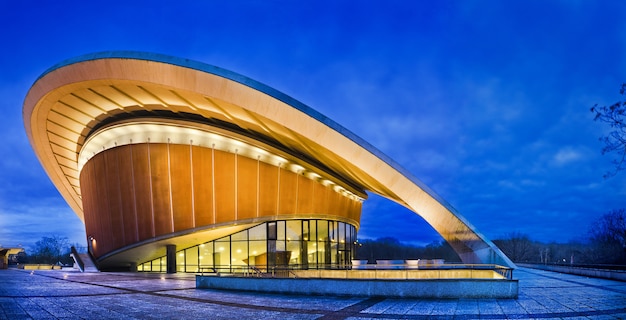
[[575, 282], [203, 300], [354, 310]]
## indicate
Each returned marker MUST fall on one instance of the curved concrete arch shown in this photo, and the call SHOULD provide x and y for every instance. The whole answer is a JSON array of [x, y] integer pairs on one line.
[[73, 98]]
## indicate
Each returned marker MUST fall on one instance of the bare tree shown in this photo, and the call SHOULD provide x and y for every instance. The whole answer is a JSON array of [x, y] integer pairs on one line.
[[51, 250], [517, 247], [615, 141], [608, 234]]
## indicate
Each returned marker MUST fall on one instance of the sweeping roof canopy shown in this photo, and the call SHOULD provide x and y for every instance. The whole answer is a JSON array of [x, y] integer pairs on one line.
[[77, 97]]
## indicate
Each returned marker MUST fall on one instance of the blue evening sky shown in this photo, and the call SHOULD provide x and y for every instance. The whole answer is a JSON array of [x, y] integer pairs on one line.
[[487, 102]]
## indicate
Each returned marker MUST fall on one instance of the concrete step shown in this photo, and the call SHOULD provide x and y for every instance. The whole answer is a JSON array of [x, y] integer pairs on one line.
[[87, 262]]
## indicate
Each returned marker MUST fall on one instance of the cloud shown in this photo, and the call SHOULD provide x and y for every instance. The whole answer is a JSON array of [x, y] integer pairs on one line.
[[566, 155], [25, 224]]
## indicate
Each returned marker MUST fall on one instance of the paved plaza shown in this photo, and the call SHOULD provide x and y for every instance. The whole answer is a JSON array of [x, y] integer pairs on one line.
[[66, 294]]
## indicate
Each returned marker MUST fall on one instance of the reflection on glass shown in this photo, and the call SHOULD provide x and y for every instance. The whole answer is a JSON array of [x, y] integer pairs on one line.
[[240, 236], [322, 230], [294, 230], [221, 257], [191, 259], [240, 255], [259, 232], [293, 246], [280, 228], [297, 244], [180, 261], [205, 258], [258, 254]]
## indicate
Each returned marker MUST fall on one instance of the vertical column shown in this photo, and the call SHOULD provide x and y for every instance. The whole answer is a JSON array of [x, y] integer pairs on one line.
[[258, 185], [171, 258], [236, 186], [193, 187], [169, 184], [213, 183]]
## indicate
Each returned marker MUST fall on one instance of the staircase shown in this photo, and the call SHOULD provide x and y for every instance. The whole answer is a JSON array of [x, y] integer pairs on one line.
[[83, 261]]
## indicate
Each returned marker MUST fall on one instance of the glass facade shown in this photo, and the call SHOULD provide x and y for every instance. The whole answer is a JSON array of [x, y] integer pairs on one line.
[[282, 244]]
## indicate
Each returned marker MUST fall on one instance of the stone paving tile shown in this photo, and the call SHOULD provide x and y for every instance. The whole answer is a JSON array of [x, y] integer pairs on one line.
[[401, 306], [73, 295], [489, 306], [269, 300], [445, 307], [380, 308], [421, 307], [467, 306]]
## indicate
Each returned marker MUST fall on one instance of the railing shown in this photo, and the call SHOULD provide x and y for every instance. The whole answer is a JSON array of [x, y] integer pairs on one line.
[[505, 272], [252, 271], [597, 271], [374, 271], [77, 259]]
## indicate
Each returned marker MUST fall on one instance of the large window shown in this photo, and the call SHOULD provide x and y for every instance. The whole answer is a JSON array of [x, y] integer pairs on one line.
[[274, 245]]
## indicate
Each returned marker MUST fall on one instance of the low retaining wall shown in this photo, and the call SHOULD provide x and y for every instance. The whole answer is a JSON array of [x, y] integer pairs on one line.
[[423, 288], [587, 272], [395, 274], [39, 267]]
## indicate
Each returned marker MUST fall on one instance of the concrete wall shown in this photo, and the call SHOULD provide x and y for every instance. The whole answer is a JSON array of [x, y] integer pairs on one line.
[[439, 288], [39, 267], [141, 191], [588, 272]]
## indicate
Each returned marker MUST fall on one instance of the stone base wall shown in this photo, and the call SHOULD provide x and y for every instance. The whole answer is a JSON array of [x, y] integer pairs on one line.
[[431, 288]]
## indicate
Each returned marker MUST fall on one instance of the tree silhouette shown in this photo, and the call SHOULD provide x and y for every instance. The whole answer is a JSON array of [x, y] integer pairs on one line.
[[51, 250], [608, 234], [615, 141], [517, 246]]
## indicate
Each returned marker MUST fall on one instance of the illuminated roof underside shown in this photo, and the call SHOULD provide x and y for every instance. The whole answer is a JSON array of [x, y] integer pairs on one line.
[[78, 97]]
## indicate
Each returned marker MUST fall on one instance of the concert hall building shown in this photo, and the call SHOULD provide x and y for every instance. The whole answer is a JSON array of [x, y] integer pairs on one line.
[[179, 166]]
